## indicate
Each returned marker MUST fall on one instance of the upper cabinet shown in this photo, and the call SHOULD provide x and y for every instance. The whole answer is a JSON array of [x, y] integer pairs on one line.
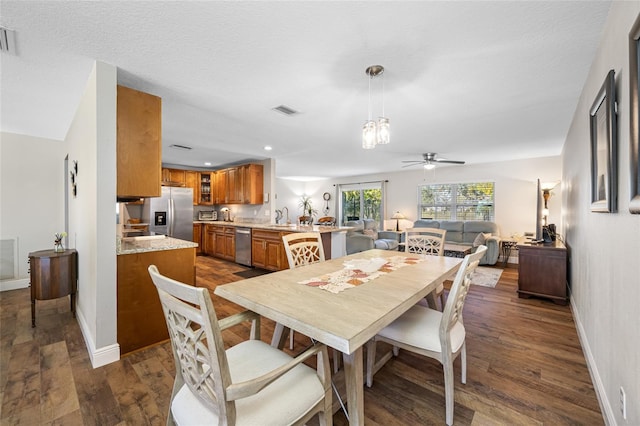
[[139, 144], [192, 180], [174, 177], [252, 184]]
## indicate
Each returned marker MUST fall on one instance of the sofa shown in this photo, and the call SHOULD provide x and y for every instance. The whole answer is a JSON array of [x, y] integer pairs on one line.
[[365, 236], [466, 232]]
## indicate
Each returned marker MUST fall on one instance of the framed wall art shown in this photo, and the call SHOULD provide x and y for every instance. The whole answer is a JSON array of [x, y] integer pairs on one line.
[[604, 148], [634, 94]]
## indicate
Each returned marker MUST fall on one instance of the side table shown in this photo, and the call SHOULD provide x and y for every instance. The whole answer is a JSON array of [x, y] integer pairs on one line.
[[507, 246], [53, 275]]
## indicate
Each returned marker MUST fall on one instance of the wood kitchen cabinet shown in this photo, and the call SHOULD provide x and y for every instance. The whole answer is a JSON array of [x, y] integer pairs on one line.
[[221, 187], [197, 237], [542, 271], [252, 184], [139, 144], [174, 177], [209, 239], [205, 184], [140, 317], [234, 185], [267, 250], [192, 180], [220, 241]]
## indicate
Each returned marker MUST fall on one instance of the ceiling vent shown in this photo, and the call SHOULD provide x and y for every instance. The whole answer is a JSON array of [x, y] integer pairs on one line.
[[184, 147], [7, 41], [283, 109]]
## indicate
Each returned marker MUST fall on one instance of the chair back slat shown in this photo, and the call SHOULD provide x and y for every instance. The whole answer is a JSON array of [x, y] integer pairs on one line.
[[457, 295], [303, 248], [196, 340], [425, 241]]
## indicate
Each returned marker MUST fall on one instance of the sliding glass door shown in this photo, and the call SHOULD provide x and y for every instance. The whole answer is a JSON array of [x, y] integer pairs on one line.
[[362, 201]]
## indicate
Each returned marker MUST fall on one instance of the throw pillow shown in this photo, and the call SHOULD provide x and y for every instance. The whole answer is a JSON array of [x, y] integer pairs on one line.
[[481, 239], [372, 233]]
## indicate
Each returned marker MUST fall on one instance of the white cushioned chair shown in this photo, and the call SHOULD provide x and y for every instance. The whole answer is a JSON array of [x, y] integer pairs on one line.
[[434, 334], [251, 383]]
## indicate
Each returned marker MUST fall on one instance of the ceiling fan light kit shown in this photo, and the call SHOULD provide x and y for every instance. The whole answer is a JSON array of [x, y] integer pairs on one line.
[[375, 132]]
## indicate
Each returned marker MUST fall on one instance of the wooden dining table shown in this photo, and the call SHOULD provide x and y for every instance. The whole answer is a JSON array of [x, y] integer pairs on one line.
[[345, 320]]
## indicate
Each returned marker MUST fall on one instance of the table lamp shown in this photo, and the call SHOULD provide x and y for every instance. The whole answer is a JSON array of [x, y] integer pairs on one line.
[[397, 216]]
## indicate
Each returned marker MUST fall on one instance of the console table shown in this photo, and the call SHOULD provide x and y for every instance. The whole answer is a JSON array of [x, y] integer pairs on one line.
[[542, 271], [53, 275]]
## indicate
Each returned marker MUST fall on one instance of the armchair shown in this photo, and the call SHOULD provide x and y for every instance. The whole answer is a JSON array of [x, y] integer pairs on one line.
[[365, 236]]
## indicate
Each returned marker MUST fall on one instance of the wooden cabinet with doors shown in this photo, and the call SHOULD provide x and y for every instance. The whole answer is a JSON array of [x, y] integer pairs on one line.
[[139, 144], [205, 184], [174, 177], [267, 250], [219, 241], [252, 184], [234, 185], [192, 180], [209, 239], [197, 237], [221, 187], [542, 271]]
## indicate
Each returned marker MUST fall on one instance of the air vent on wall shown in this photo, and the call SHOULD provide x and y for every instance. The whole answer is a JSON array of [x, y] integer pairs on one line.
[[180, 147], [7, 41], [285, 110]]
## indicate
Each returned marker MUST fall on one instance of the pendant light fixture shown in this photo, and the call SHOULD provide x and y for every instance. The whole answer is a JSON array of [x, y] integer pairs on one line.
[[375, 132]]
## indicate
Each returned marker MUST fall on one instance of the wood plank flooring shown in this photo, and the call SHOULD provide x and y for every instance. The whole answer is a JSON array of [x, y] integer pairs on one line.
[[525, 367]]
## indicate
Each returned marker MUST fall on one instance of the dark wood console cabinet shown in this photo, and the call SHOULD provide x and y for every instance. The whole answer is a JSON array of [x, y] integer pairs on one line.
[[542, 271], [53, 275]]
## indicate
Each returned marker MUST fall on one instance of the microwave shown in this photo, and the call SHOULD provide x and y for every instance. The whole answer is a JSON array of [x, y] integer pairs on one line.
[[208, 215]]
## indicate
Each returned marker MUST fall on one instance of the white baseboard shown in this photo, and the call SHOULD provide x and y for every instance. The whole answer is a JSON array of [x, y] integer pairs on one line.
[[99, 356], [14, 284], [605, 405]]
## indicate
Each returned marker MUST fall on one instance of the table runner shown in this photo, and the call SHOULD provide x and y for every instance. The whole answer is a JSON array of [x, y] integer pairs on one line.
[[359, 271]]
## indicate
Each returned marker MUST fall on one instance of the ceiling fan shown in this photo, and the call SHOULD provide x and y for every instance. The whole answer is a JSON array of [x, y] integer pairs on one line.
[[430, 160]]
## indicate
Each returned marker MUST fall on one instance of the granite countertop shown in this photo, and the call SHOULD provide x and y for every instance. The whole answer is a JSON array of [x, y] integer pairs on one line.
[[272, 227], [147, 244]]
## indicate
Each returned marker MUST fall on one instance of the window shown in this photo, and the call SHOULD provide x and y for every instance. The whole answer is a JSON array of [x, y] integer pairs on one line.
[[361, 201], [457, 201]]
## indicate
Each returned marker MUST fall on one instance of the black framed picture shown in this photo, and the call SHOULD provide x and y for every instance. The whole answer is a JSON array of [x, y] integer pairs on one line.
[[634, 94], [604, 148]]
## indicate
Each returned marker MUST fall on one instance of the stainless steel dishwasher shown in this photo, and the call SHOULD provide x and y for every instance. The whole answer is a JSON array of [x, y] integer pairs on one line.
[[243, 246]]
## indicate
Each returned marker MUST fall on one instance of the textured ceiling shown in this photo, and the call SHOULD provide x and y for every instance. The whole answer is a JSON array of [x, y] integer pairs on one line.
[[475, 81]]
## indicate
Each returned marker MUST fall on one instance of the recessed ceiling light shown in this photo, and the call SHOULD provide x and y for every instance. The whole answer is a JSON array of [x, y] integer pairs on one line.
[[207, 163], [268, 148]]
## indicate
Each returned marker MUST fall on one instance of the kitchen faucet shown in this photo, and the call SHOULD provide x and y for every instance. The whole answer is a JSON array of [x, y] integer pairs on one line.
[[283, 209]]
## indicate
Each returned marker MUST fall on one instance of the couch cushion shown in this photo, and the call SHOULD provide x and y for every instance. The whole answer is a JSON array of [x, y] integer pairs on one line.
[[371, 232], [385, 244], [454, 231], [473, 227], [426, 223]]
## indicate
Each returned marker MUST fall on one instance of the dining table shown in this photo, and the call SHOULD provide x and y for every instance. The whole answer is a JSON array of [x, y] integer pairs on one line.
[[343, 302]]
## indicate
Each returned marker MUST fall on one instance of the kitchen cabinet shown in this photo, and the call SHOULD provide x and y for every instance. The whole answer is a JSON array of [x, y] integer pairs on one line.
[[174, 177], [197, 237], [221, 186], [139, 144], [252, 184], [542, 271], [234, 185], [267, 250], [209, 239], [205, 184], [192, 180], [140, 318]]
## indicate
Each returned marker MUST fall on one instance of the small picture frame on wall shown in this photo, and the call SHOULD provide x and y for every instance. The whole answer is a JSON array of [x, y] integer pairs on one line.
[[604, 148], [634, 95]]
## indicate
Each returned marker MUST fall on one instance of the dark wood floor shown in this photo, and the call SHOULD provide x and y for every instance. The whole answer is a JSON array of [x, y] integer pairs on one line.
[[525, 367]]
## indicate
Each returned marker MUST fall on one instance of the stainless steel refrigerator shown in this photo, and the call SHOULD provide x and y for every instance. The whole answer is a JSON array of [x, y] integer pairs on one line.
[[171, 214]]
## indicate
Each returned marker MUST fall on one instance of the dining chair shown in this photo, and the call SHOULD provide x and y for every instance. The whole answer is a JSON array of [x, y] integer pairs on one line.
[[431, 333], [427, 241], [249, 383]]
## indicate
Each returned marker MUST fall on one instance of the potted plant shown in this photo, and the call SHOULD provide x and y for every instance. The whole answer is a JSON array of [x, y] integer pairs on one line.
[[307, 210]]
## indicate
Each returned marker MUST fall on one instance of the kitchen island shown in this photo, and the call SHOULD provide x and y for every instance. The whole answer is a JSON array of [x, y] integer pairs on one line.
[[139, 313], [267, 249]]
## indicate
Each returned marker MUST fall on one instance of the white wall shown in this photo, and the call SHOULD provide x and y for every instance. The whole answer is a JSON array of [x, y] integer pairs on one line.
[[515, 190], [91, 142], [32, 181], [605, 248]]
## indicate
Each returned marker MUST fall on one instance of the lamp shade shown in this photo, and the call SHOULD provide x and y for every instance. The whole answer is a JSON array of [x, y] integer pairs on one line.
[[397, 215]]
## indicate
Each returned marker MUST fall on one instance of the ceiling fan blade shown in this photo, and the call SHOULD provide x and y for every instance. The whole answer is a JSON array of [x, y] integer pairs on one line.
[[438, 160], [411, 165], [412, 161]]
